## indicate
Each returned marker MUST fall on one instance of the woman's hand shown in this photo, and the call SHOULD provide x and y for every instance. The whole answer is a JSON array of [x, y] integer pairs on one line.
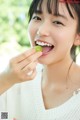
[[23, 67]]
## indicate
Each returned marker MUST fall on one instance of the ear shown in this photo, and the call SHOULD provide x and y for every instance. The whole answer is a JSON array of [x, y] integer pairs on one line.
[[77, 40]]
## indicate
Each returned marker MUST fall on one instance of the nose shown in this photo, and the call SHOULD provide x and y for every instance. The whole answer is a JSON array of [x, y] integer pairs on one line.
[[44, 29]]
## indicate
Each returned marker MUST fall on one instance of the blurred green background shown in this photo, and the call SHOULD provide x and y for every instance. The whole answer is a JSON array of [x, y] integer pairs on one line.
[[13, 25], [13, 29]]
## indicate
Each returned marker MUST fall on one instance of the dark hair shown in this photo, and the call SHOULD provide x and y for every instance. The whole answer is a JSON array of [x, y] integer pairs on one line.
[[50, 3]]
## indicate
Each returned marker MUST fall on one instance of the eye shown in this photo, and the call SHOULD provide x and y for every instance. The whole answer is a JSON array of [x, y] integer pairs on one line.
[[58, 23], [36, 18]]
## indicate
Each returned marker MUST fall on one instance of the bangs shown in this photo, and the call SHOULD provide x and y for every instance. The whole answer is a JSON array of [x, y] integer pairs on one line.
[[52, 7]]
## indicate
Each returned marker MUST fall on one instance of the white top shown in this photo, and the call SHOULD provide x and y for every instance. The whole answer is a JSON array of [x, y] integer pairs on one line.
[[24, 102]]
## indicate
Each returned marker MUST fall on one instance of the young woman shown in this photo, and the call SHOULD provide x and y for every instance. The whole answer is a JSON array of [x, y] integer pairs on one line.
[[51, 93]]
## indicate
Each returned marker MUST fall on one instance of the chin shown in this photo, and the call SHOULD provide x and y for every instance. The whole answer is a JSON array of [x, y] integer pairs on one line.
[[44, 62]]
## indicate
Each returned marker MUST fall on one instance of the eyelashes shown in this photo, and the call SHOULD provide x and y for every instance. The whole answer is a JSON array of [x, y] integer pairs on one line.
[[56, 22], [36, 18]]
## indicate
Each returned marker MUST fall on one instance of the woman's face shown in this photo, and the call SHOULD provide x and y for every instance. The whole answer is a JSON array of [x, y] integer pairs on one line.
[[59, 31]]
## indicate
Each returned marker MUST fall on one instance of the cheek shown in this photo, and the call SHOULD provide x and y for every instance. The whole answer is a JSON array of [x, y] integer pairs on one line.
[[64, 41], [65, 37], [32, 32]]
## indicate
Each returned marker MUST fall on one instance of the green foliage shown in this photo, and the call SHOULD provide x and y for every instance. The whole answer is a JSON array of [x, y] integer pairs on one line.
[[14, 22]]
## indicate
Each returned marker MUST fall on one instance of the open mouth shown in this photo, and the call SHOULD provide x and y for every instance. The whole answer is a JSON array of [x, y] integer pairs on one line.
[[46, 47]]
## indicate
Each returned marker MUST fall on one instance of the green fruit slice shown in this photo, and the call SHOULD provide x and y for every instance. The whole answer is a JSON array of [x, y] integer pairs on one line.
[[38, 48]]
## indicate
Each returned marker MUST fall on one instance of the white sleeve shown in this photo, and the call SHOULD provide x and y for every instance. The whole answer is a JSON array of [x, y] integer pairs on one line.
[[0, 104], [3, 102]]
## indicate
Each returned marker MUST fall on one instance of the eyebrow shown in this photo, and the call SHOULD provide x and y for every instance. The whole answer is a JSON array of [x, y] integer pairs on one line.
[[59, 15], [62, 16]]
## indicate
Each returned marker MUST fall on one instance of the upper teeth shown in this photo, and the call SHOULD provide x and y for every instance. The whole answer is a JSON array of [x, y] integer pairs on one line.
[[43, 43]]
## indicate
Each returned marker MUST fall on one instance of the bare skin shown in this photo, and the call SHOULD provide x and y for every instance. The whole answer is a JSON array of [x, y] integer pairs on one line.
[[19, 68], [57, 85], [56, 93]]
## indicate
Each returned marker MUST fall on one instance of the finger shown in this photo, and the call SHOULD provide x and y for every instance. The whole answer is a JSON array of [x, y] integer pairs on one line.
[[17, 69], [23, 56], [32, 75], [30, 67], [33, 57], [27, 77], [28, 60]]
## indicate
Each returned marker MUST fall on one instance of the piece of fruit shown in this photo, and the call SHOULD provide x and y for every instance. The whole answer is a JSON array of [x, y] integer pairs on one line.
[[38, 48]]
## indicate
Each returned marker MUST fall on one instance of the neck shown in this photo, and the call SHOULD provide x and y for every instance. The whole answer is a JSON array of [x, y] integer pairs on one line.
[[56, 74]]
